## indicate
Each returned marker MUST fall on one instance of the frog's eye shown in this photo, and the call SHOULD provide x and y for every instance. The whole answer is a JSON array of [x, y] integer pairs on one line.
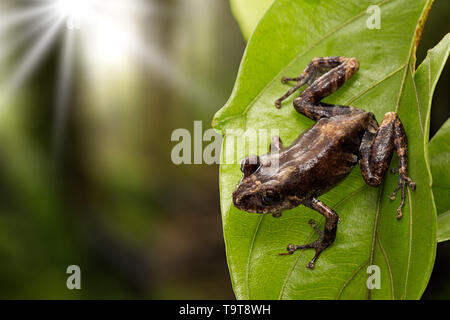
[[249, 165], [270, 196]]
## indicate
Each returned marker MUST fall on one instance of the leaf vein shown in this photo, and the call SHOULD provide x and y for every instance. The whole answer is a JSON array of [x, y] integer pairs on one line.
[[374, 233], [352, 276], [368, 89], [388, 264], [408, 265], [419, 112], [250, 256]]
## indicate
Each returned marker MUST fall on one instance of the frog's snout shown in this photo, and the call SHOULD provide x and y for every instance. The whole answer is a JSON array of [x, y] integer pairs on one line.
[[353, 64], [240, 201], [246, 202], [235, 200]]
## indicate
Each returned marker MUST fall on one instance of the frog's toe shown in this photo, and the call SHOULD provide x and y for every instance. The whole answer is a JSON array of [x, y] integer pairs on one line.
[[291, 247], [276, 214], [278, 104], [399, 212], [404, 181], [290, 250], [313, 224]]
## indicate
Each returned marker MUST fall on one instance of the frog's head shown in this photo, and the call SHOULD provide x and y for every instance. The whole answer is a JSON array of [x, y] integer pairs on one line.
[[258, 192]]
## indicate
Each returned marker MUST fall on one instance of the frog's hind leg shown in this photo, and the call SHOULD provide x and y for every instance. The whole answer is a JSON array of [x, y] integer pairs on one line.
[[326, 237], [341, 69], [376, 152], [308, 103], [311, 73]]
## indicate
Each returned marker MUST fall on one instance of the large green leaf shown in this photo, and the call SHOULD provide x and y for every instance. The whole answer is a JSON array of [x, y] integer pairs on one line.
[[248, 13], [440, 163], [289, 35], [439, 151], [443, 226]]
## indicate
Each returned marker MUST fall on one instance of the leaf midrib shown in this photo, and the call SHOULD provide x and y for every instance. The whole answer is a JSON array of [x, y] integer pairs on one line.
[[250, 255]]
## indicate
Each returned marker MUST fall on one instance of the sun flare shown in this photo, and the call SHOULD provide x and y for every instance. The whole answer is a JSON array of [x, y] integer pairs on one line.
[[102, 35]]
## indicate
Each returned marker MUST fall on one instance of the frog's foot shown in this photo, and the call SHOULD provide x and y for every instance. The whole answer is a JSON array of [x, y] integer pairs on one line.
[[319, 245], [403, 181]]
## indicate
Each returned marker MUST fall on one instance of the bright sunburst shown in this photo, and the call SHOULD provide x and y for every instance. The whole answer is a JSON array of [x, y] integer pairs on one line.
[[106, 31]]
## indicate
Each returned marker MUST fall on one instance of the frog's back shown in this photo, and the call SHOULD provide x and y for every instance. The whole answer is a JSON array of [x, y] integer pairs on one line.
[[325, 154]]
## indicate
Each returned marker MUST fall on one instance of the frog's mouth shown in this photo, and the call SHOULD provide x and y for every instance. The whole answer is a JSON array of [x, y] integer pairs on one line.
[[242, 202], [251, 203]]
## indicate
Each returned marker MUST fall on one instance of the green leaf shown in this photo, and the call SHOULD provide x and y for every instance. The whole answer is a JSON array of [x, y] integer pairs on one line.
[[426, 78], [444, 226], [439, 150], [248, 13], [288, 36], [440, 163]]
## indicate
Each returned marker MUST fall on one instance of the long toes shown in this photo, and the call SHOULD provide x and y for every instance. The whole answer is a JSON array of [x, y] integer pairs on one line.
[[399, 213], [290, 250], [401, 185], [291, 247], [394, 193], [410, 182], [310, 265], [402, 202], [278, 104]]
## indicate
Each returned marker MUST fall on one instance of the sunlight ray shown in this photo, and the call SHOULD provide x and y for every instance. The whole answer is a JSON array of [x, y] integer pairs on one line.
[[30, 61], [18, 16], [156, 61], [129, 7], [62, 94], [147, 54], [27, 34]]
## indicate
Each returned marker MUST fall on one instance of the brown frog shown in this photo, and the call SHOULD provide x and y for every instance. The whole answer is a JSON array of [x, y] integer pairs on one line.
[[322, 156]]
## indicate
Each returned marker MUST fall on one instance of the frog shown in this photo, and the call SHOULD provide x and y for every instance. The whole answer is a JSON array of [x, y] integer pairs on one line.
[[323, 156]]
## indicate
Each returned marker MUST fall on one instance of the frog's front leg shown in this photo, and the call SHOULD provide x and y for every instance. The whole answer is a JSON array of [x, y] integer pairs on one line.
[[326, 237], [376, 152]]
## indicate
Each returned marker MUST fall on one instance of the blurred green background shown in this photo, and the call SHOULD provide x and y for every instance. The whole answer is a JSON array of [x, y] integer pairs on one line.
[[98, 188]]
